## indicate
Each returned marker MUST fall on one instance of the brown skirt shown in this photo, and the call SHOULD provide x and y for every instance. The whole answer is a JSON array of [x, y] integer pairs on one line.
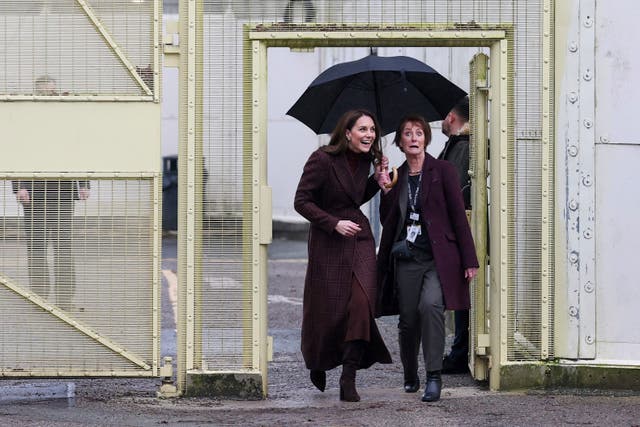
[[358, 316]]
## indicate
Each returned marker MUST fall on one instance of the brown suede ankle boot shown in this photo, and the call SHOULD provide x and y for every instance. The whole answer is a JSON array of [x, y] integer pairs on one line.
[[350, 362]]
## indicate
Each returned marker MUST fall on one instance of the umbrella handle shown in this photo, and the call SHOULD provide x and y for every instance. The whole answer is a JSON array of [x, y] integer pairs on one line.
[[394, 180]]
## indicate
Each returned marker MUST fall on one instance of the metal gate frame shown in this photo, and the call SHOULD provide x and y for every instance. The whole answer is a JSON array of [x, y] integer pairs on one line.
[[479, 327], [148, 368], [129, 111], [499, 39]]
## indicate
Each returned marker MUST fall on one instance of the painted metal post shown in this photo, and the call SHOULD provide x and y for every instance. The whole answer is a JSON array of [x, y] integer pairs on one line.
[[568, 335], [500, 210], [586, 208], [261, 209], [478, 99], [579, 136]]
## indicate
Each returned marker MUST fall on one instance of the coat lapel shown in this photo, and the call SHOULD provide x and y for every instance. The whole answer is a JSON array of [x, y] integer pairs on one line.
[[403, 198], [360, 179], [346, 179], [428, 177]]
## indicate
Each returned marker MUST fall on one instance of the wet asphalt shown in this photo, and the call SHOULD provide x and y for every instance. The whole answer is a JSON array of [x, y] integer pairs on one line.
[[292, 399]]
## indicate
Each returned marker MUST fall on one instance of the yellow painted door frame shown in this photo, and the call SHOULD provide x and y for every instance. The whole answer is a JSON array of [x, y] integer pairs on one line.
[[499, 39], [479, 338]]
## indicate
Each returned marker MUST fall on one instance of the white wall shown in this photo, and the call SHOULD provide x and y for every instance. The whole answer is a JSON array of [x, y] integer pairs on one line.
[[170, 102], [169, 111], [617, 241], [290, 142], [617, 153], [597, 154]]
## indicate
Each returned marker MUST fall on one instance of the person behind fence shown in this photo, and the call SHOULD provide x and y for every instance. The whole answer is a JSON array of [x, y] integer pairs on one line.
[[338, 325], [456, 150], [48, 219], [426, 257]]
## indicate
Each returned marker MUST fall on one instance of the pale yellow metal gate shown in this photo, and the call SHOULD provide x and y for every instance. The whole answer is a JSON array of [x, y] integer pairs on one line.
[[479, 332], [225, 223], [79, 188]]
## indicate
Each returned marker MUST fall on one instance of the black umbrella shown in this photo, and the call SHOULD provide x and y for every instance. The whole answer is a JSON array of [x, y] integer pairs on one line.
[[389, 87]]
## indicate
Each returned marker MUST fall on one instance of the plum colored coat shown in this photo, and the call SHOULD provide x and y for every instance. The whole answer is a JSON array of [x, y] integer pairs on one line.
[[329, 192], [444, 218]]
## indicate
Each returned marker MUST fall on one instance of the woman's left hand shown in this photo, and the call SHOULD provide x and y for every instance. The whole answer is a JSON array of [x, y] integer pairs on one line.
[[470, 273]]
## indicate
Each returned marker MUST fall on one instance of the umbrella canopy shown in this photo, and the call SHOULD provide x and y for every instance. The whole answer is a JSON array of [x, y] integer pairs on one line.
[[390, 87]]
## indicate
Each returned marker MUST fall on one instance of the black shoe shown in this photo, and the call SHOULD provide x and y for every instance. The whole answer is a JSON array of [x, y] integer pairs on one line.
[[412, 386], [451, 367], [433, 387], [319, 379]]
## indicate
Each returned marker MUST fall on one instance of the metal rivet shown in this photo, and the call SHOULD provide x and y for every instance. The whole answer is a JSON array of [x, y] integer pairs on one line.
[[572, 150], [587, 123], [573, 97], [573, 312], [588, 22], [587, 181], [589, 339], [573, 47], [589, 287], [587, 233], [587, 75], [573, 257], [573, 205]]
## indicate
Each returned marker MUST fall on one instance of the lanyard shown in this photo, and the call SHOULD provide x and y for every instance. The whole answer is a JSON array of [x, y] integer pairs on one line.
[[413, 198]]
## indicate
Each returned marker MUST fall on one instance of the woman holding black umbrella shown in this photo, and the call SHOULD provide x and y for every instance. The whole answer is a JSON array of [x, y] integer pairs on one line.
[[427, 257], [338, 326]]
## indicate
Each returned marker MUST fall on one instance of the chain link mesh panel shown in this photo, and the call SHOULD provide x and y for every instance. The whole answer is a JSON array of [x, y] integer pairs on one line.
[[76, 258], [65, 40]]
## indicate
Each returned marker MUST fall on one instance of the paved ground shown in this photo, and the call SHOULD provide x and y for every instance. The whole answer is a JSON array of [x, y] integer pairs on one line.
[[293, 400]]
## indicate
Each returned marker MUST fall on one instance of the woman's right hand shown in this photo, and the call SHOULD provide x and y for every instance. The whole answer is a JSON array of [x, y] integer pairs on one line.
[[381, 167], [381, 174], [347, 228]]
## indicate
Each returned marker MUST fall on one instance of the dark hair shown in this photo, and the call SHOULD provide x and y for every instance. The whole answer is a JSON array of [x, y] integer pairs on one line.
[[338, 142], [416, 120], [462, 108]]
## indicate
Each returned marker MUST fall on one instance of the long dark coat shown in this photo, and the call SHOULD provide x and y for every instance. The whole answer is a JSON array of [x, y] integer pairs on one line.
[[329, 192], [444, 218]]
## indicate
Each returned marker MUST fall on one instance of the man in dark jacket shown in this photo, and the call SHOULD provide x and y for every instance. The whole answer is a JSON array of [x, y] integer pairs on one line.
[[456, 151], [48, 218]]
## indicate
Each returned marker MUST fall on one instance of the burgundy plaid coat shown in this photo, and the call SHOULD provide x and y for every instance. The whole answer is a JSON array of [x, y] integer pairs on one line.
[[329, 192], [444, 217]]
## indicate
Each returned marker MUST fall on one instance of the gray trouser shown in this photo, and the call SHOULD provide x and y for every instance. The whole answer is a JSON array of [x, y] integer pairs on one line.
[[421, 314]]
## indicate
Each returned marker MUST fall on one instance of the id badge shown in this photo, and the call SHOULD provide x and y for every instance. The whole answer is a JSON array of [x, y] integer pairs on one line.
[[414, 216], [413, 231]]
